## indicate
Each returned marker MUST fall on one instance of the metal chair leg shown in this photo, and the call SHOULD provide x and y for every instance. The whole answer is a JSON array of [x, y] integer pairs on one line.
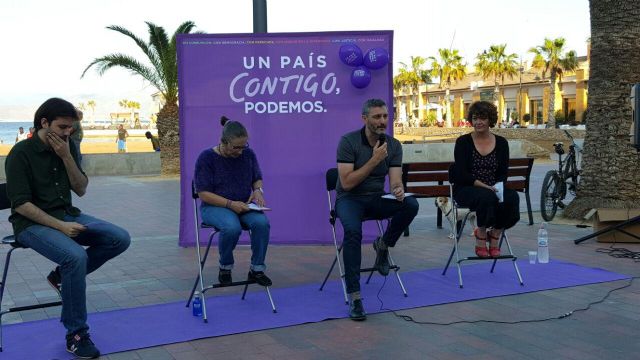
[[336, 259], [2, 286], [204, 260], [273, 306], [200, 262], [244, 292], [397, 269], [515, 264]]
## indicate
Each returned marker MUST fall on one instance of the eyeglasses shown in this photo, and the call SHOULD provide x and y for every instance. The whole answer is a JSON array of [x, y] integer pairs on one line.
[[480, 117], [240, 147]]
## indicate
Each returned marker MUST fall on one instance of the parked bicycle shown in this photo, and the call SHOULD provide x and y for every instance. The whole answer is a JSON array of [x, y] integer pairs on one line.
[[557, 182]]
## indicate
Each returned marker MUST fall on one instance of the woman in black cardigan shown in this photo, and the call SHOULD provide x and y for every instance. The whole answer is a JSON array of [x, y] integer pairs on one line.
[[481, 161]]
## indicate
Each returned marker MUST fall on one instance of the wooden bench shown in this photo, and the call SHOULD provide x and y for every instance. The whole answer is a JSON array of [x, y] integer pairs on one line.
[[431, 180]]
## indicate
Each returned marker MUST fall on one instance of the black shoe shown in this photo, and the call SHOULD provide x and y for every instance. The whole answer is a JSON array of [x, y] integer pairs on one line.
[[55, 280], [224, 277], [382, 259], [259, 277], [356, 310], [81, 346]]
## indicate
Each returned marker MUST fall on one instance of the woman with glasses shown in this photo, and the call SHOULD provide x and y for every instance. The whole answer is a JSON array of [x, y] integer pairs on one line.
[[227, 179], [482, 161]]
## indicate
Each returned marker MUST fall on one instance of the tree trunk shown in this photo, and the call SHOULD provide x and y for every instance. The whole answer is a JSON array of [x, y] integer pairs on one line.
[[447, 105], [551, 115], [610, 164], [496, 101], [169, 136]]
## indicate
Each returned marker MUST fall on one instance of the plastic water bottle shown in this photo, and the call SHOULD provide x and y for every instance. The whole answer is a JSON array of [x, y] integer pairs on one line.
[[543, 245], [196, 306]]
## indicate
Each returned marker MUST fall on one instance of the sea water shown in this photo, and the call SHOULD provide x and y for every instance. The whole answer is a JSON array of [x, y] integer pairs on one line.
[[9, 130]]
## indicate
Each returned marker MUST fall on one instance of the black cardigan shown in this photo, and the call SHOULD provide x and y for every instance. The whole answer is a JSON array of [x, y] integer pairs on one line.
[[460, 173]]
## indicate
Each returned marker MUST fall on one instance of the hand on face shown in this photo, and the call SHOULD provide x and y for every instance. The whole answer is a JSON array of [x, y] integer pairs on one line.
[[60, 146]]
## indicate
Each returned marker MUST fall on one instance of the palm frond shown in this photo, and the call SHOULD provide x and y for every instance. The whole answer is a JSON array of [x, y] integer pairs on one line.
[[125, 61]]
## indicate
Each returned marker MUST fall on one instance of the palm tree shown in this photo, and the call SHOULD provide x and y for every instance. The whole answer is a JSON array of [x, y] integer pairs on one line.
[[91, 104], [497, 64], [160, 52], [412, 76], [133, 106], [610, 164], [550, 57], [124, 104], [448, 69]]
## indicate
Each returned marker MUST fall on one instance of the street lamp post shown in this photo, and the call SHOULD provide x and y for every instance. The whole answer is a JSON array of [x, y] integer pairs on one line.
[[259, 16], [520, 95]]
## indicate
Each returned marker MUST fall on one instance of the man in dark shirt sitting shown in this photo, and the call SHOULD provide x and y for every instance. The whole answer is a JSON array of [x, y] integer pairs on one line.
[[41, 172], [155, 143], [365, 157]]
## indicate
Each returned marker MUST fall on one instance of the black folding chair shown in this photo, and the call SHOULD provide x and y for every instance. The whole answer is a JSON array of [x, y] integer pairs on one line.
[[457, 229], [331, 181], [11, 241], [201, 260]]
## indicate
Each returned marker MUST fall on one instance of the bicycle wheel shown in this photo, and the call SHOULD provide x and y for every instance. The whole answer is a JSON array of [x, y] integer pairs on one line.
[[549, 195]]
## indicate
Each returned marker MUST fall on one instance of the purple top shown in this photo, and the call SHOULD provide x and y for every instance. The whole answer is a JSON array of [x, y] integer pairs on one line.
[[231, 178]]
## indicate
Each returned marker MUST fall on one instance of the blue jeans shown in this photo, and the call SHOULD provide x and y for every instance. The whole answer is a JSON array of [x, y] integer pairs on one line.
[[352, 209], [104, 240], [231, 225]]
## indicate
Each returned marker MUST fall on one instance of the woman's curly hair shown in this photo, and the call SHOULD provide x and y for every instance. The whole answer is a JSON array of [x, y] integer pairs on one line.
[[483, 109]]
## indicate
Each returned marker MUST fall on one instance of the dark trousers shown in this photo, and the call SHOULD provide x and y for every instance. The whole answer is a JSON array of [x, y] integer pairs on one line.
[[489, 212], [352, 210]]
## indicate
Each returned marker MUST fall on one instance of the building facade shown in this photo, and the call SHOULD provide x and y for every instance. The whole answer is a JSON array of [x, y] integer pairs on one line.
[[523, 98]]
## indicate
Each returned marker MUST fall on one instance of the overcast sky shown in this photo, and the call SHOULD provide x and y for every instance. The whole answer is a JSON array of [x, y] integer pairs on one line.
[[47, 44]]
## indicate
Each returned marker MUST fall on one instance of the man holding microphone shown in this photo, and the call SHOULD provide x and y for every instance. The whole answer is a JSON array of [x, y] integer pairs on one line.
[[365, 157]]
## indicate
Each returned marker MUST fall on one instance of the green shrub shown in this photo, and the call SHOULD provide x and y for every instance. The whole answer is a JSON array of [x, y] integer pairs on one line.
[[560, 119], [432, 119]]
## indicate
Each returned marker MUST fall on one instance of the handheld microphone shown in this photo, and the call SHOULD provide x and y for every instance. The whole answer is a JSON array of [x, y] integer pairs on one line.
[[382, 138]]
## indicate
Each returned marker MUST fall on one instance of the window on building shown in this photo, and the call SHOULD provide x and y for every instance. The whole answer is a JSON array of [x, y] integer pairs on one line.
[[510, 107], [569, 108], [536, 112]]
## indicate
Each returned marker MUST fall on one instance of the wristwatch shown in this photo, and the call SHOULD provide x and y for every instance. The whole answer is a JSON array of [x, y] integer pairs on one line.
[[258, 189]]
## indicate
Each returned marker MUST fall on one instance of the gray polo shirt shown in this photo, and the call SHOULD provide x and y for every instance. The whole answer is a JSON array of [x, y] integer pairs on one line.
[[354, 149]]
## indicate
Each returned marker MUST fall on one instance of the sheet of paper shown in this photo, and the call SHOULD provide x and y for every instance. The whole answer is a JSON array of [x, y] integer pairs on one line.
[[255, 207], [500, 193], [392, 197]]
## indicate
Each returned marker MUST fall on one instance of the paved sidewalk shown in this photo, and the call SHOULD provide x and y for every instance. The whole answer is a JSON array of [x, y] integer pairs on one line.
[[156, 270]]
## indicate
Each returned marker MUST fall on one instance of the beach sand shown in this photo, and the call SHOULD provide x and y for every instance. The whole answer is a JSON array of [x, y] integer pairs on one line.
[[106, 147]]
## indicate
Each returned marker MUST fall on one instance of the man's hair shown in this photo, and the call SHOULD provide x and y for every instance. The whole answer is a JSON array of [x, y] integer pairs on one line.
[[231, 130], [148, 134], [20, 128], [371, 103], [483, 109], [52, 109]]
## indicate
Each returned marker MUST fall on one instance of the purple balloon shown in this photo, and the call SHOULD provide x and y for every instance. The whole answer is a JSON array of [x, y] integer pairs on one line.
[[376, 58], [351, 55], [360, 77]]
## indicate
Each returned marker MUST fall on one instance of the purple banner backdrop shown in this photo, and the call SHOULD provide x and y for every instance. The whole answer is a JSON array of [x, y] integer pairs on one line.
[[295, 96]]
